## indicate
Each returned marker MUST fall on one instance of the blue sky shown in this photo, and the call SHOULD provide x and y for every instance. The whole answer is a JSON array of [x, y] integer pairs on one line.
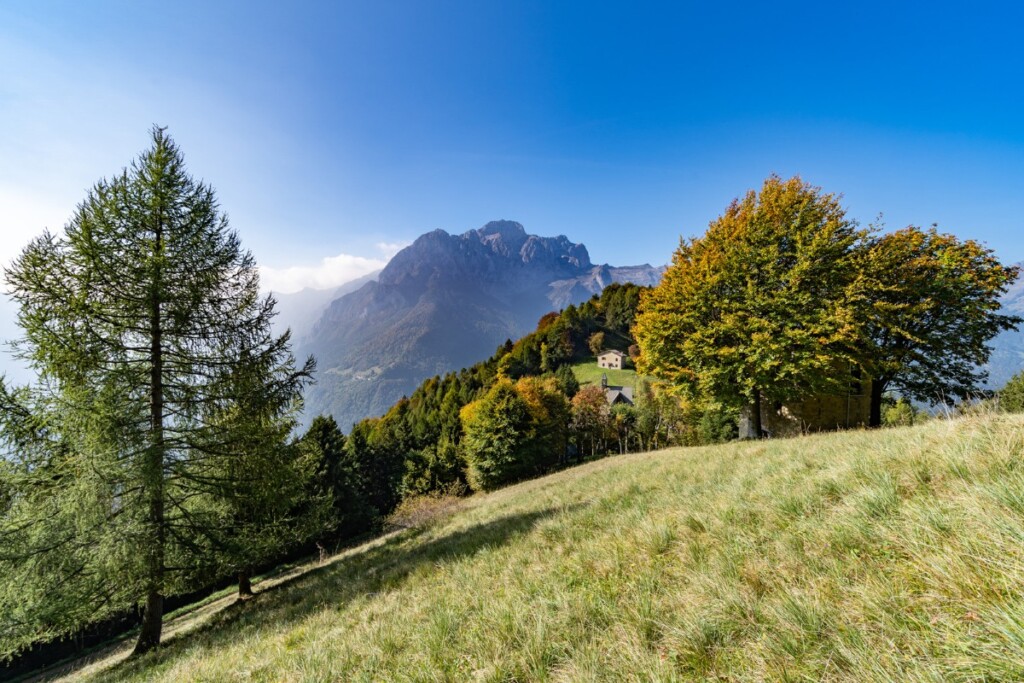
[[342, 130]]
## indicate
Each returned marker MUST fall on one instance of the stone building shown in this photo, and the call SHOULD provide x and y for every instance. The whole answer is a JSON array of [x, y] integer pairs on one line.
[[815, 414], [611, 359]]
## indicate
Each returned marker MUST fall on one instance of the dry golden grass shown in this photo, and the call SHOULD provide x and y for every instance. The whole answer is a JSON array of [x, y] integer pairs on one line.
[[895, 555]]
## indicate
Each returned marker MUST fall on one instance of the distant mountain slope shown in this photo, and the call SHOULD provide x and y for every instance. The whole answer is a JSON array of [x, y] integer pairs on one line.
[[299, 311], [443, 303], [1008, 348]]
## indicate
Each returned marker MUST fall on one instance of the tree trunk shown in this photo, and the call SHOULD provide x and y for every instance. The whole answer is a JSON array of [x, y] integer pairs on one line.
[[244, 585], [755, 414], [152, 624], [875, 415], [153, 477]]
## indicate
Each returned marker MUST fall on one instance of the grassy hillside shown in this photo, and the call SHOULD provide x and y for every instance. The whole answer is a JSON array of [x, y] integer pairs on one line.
[[896, 555], [588, 372]]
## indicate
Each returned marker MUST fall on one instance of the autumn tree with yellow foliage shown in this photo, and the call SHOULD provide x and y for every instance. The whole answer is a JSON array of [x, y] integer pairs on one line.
[[784, 297], [927, 305], [756, 310]]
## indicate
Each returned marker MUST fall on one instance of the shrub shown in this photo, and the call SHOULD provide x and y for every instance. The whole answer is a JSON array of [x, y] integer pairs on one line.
[[1011, 396]]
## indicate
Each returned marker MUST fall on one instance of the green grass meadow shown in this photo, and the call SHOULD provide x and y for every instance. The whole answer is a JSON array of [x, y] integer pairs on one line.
[[893, 555], [588, 372]]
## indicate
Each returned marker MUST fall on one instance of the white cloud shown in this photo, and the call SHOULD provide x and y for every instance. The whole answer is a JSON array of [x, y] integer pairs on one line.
[[389, 249], [332, 271]]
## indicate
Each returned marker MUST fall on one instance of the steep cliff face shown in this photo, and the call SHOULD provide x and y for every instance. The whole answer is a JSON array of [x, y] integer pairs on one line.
[[443, 303]]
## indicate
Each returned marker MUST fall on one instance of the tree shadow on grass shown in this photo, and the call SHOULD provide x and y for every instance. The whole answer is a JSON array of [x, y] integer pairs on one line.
[[379, 566]]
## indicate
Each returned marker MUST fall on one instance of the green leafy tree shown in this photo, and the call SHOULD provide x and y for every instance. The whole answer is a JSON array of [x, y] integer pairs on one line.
[[624, 423], [715, 424], [549, 424], [648, 416], [591, 418], [754, 309], [138, 322], [498, 433], [596, 343], [927, 305], [899, 412]]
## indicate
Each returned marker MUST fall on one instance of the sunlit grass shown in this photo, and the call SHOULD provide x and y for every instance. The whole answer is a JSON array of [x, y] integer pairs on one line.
[[589, 372], [895, 555]]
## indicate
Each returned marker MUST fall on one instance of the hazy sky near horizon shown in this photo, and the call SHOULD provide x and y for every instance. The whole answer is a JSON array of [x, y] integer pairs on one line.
[[336, 132]]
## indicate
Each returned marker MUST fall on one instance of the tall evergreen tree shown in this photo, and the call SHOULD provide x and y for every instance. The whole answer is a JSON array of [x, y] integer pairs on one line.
[[140, 321], [255, 479], [565, 380]]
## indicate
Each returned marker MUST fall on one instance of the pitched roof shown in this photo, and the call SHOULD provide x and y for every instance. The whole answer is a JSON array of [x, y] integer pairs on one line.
[[612, 351], [619, 395]]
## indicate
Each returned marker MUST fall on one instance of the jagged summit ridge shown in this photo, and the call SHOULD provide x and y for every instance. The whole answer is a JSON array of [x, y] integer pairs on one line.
[[499, 249]]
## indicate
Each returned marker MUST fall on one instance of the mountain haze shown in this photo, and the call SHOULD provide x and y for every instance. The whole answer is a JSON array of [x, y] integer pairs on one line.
[[299, 311], [443, 303], [1007, 357]]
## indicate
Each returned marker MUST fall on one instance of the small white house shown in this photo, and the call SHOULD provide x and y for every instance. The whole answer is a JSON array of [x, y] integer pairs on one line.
[[610, 359]]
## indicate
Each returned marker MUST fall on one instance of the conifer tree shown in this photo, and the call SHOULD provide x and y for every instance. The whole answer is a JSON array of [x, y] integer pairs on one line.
[[152, 345], [566, 381]]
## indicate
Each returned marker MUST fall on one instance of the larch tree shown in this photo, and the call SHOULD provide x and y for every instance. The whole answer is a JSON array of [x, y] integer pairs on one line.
[[928, 304], [155, 357], [754, 309], [255, 480]]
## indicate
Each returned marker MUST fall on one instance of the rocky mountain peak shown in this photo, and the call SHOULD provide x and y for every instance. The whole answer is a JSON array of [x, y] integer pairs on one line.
[[445, 302], [508, 231], [501, 251]]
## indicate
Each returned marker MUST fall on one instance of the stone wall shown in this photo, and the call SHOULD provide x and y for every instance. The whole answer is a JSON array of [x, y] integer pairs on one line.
[[818, 414]]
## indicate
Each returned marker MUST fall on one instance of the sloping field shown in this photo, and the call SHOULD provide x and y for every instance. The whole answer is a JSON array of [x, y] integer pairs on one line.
[[588, 372], [895, 555]]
